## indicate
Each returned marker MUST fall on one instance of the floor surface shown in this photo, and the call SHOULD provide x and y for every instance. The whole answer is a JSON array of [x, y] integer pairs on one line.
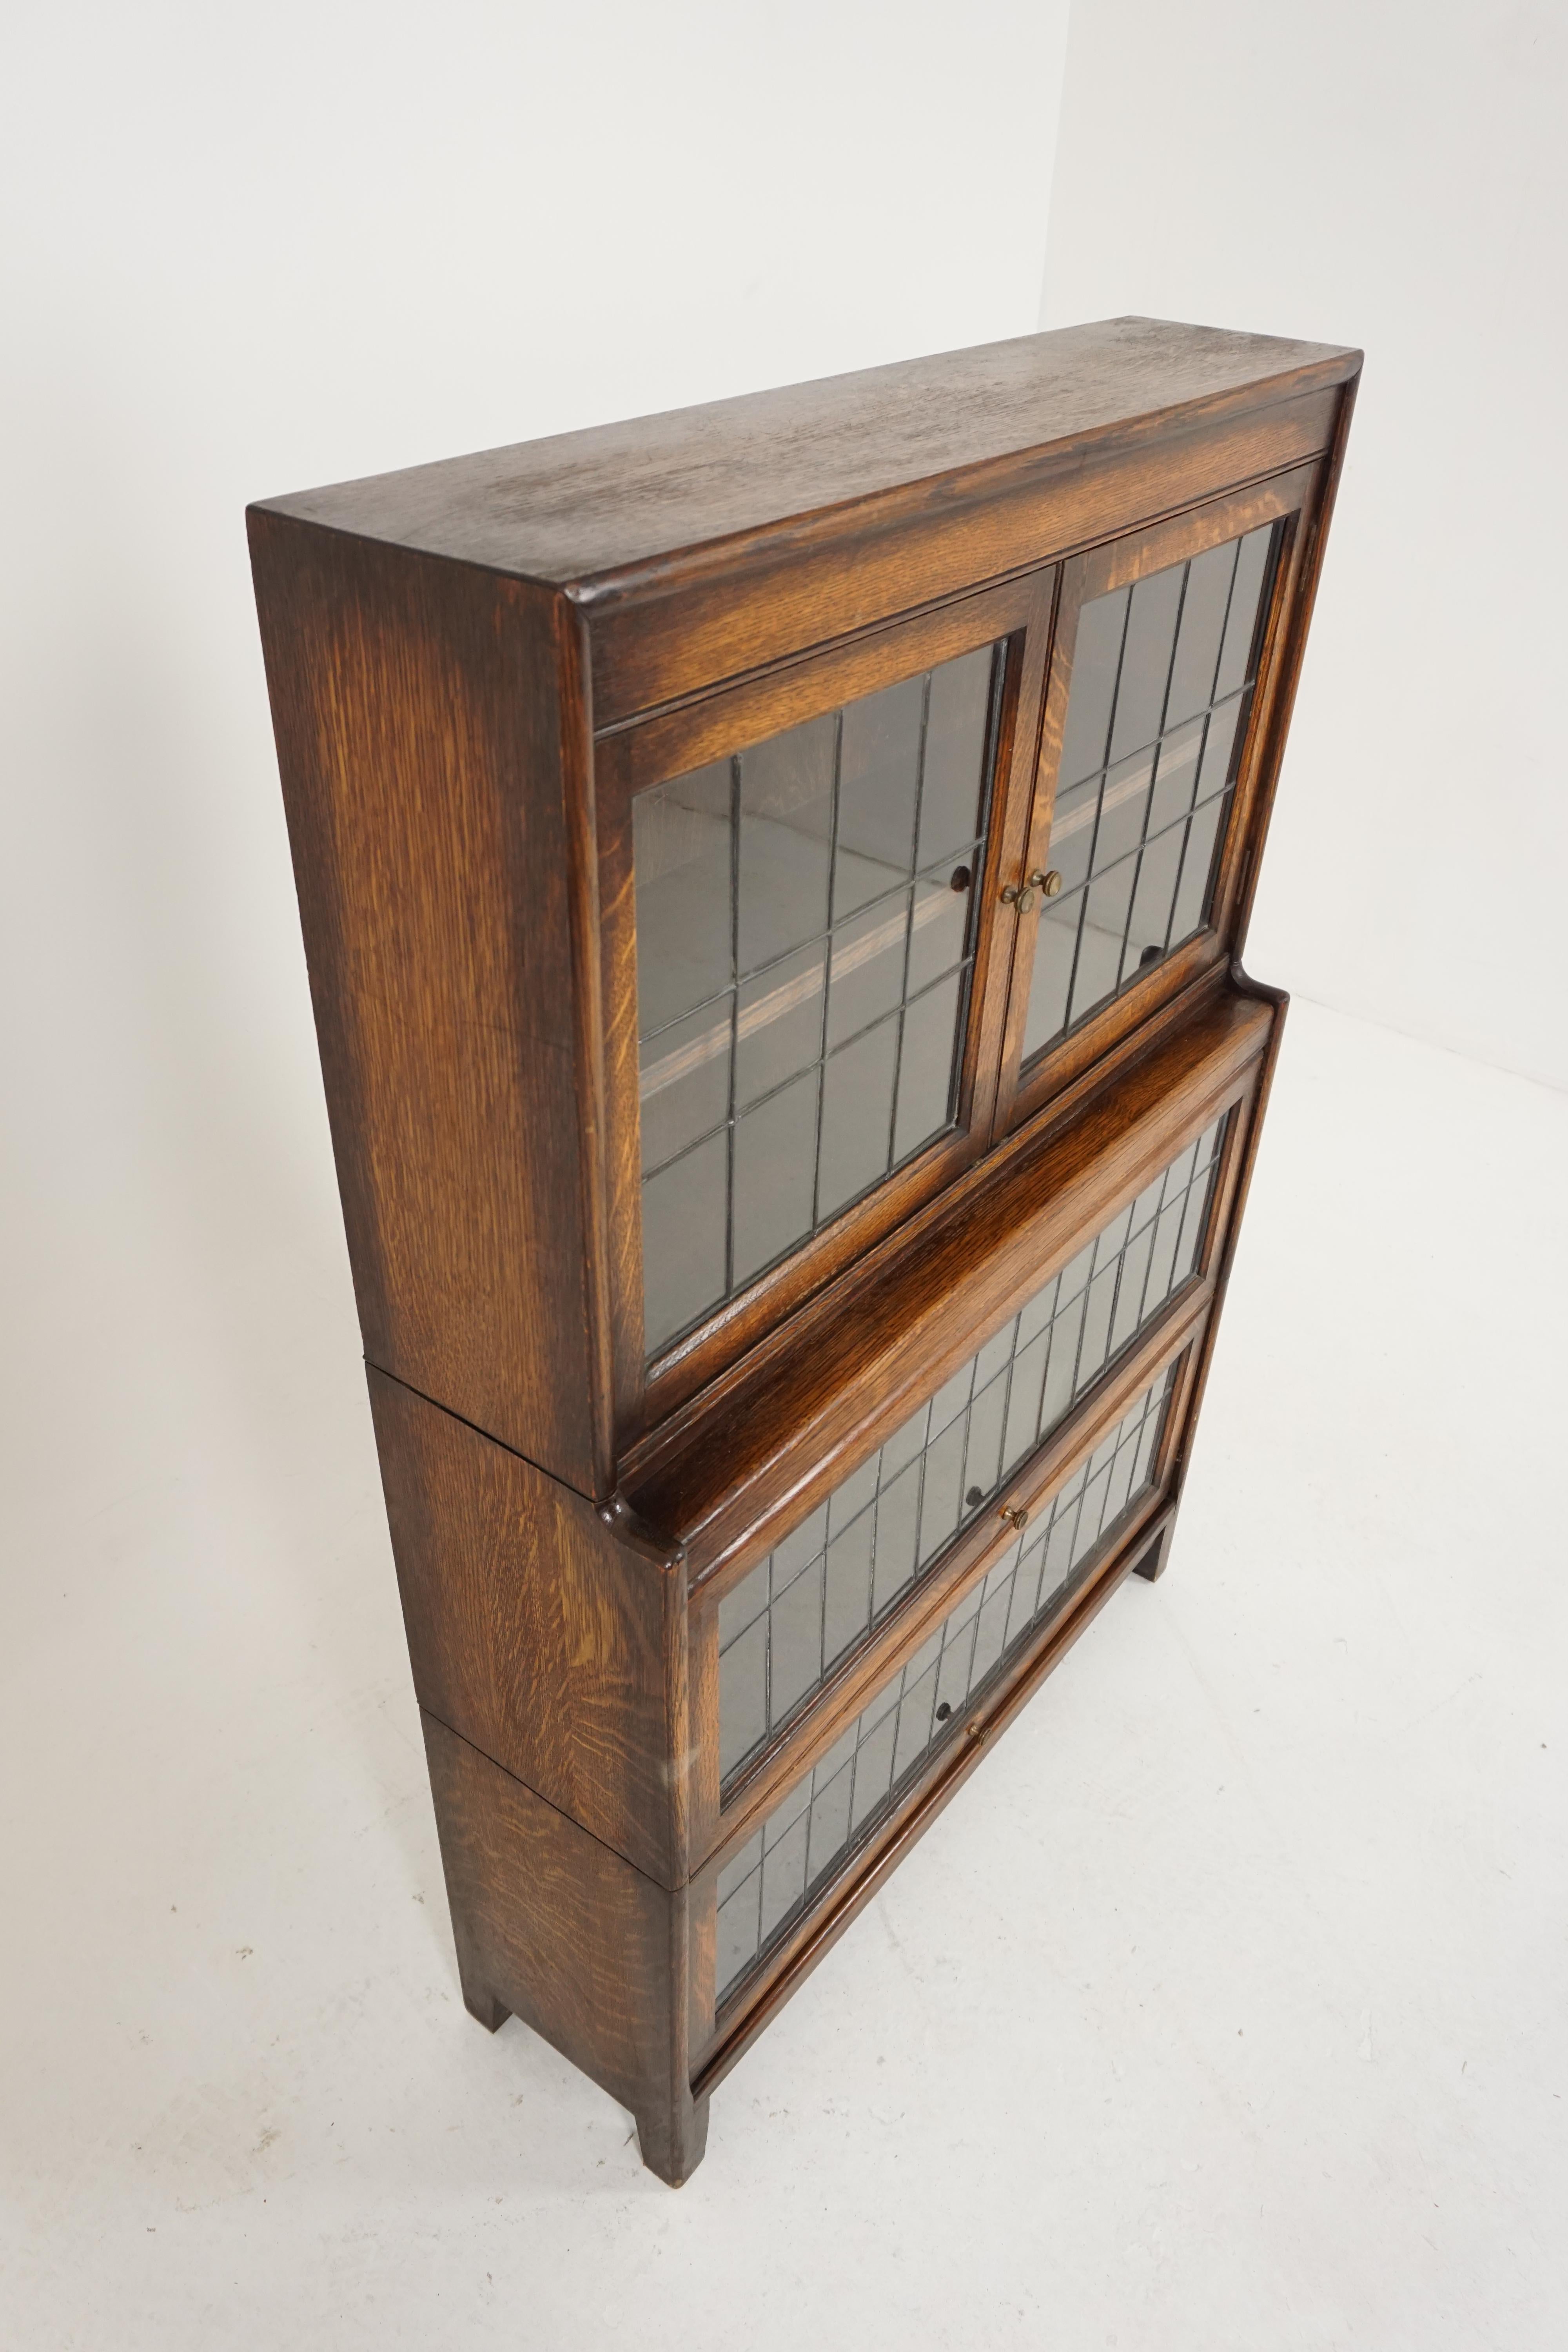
[[1226, 2006]]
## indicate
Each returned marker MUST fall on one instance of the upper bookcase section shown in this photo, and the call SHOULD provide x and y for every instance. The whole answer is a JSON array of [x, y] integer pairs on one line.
[[628, 514], [719, 833]]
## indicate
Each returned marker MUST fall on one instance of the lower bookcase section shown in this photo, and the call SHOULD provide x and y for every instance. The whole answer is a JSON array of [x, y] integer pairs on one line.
[[838, 1805], [859, 1553]]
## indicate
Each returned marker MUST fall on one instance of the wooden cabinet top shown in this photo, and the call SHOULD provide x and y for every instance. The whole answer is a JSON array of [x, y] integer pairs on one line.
[[581, 510]]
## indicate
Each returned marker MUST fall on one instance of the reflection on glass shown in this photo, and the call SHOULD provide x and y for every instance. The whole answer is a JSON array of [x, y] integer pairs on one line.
[[768, 1885], [832, 1578], [1162, 673], [806, 936]]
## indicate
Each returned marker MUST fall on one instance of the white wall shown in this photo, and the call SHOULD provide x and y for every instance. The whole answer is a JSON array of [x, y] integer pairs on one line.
[[251, 249], [1396, 176]]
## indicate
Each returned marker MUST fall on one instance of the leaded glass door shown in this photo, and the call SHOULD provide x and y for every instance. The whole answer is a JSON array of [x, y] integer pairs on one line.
[[1158, 671], [806, 932], [819, 956]]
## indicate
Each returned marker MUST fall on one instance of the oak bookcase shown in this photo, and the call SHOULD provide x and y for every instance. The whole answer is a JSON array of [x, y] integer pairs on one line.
[[773, 879]]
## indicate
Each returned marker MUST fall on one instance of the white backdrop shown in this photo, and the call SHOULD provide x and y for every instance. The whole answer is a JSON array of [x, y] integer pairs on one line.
[[1044, 2080], [252, 249], [1398, 177]]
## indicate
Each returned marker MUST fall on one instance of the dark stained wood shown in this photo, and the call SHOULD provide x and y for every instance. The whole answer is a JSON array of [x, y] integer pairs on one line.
[[1222, 1249], [473, 667], [553, 1927], [421, 711], [536, 1629], [675, 634], [1286, 674], [1155, 1551], [616, 497]]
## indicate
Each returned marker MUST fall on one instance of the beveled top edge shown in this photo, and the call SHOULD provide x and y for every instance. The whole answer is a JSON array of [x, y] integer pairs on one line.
[[581, 508]]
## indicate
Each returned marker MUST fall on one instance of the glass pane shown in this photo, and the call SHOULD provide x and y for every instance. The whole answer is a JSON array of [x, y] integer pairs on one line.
[[939, 930], [1161, 679], [1151, 898], [855, 1786], [681, 838], [927, 1066], [684, 1082], [1195, 888], [899, 1509], [847, 1608], [866, 975], [1050, 983], [1203, 608], [857, 1117], [1176, 776], [1097, 657], [1106, 911], [1146, 661], [897, 1527], [848, 1501], [791, 901], [742, 1695], [952, 783], [879, 767], [786, 837], [795, 1642], [683, 1237], [775, 1147], [1253, 564], [942, 1488], [778, 1028]]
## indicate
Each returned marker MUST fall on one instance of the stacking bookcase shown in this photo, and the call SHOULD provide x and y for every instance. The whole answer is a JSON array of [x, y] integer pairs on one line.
[[773, 878]]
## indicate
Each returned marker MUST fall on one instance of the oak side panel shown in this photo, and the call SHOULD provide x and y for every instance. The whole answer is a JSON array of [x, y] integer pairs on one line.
[[552, 1926], [534, 1631], [420, 722]]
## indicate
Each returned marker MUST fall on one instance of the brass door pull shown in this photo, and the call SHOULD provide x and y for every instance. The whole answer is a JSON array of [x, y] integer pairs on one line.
[[1024, 899], [1017, 1520]]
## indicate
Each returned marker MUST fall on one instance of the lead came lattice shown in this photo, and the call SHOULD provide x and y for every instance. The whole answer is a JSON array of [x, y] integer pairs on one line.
[[817, 1592], [771, 1881]]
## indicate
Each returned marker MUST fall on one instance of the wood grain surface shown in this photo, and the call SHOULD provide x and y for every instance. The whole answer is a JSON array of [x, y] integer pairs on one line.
[[534, 1630], [554, 1927], [580, 505]]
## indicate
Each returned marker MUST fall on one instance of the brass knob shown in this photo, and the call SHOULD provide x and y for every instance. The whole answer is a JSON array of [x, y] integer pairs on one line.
[[1016, 1519], [1049, 883]]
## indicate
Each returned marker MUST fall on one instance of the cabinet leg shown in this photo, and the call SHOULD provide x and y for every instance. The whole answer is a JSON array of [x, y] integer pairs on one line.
[[478, 1998], [1151, 1562], [673, 2138]]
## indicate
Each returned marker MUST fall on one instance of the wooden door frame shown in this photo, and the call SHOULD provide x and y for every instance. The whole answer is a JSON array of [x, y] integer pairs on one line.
[[1019, 613]]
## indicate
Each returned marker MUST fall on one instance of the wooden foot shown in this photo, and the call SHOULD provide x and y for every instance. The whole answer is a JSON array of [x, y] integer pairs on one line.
[[489, 2011], [478, 1998], [1150, 1564], [673, 2141]]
